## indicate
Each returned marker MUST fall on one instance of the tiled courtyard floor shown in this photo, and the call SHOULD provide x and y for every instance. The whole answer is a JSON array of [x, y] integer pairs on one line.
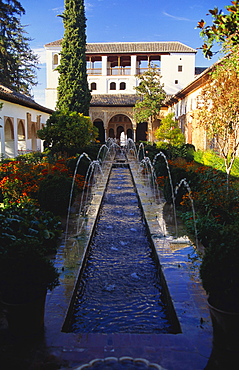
[[188, 350]]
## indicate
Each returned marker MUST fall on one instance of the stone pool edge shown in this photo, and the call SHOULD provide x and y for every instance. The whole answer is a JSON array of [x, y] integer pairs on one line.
[[191, 347]]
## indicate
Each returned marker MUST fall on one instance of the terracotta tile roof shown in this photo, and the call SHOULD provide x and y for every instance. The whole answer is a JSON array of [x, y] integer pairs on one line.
[[133, 47], [125, 100], [21, 99], [115, 100]]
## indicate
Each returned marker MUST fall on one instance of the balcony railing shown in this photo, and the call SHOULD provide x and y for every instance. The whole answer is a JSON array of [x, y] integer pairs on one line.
[[94, 71], [119, 71], [140, 71]]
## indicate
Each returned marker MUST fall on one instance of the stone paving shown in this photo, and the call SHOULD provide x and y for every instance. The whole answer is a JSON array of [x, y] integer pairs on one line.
[[188, 350]]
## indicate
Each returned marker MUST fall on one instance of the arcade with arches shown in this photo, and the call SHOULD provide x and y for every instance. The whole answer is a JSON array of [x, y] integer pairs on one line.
[[120, 128]]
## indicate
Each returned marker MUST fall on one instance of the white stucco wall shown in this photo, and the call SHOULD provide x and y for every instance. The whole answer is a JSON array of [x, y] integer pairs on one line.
[[15, 113], [170, 73]]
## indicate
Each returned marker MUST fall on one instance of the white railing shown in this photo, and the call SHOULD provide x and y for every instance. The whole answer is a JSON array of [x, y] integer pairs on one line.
[[94, 71], [119, 71]]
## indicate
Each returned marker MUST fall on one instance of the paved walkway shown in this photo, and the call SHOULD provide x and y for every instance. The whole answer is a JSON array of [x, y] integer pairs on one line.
[[188, 350]]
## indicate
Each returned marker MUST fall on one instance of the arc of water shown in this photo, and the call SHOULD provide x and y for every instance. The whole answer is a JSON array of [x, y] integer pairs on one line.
[[131, 145], [141, 145], [185, 183], [112, 146], [146, 162], [72, 188], [100, 150], [171, 185], [110, 141], [90, 172]]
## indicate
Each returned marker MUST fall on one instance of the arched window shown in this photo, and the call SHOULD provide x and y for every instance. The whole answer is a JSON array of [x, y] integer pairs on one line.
[[20, 131], [100, 125], [129, 133], [55, 59], [93, 86], [112, 86], [111, 133], [9, 138], [122, 85], [8, 128]]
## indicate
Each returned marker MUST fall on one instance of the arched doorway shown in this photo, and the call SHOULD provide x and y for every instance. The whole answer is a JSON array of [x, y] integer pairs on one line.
[[34, 137], [120, 135], [111, 133], [129, 133], [119, 131], [100, 125], [21, 142], [9, 138], [122, 127], [141, 131]]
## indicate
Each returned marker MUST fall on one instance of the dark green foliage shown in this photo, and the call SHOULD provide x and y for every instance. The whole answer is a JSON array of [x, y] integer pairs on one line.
[[24, 274], [219, 271], [54, 194], [25, 271], [149, 150], [169, 131], [207, 226], [151, 96], [17, 61], [176, 174], [20, 225], [73, 90], [67, 132], [184, 151], [92, 151]]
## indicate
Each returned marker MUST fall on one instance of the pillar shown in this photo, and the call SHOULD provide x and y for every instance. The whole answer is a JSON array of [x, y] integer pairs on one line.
[[133, 65], [104, 65]]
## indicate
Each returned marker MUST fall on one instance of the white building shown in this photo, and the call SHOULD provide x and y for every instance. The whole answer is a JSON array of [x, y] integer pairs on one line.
[[112, 70], [20, 118]]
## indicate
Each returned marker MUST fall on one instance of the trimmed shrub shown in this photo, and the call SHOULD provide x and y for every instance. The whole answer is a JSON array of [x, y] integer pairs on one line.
[[54, 194]]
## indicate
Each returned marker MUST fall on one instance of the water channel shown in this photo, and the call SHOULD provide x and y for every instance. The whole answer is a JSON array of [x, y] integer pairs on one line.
[[119, 288]]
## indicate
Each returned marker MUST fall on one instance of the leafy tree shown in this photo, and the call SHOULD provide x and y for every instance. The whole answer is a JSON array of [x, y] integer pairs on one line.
[[17, 61], [219, 107], [73, 90], [224, 29], [169, 132], [67, 130], [151, 95]]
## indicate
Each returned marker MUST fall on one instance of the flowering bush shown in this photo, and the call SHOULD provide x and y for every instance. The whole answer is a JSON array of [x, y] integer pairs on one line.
[[216, 206], [20, 180]]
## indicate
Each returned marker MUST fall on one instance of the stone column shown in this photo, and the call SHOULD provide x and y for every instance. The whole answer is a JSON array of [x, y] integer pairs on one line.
[[133, 65], [150, 138], [104, 65]]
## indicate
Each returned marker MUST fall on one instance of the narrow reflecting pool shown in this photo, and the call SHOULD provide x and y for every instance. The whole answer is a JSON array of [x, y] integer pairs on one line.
[[120, 289]]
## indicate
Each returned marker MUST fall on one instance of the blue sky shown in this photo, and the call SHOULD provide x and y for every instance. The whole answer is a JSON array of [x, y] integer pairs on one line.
[[119, 20]]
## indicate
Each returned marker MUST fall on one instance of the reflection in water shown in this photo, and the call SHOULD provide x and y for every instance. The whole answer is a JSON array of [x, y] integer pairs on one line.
[[120, 287]]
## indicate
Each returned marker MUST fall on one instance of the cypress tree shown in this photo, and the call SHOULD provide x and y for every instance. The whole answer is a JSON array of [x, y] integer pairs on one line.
[[17, 61], [73, 89]]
